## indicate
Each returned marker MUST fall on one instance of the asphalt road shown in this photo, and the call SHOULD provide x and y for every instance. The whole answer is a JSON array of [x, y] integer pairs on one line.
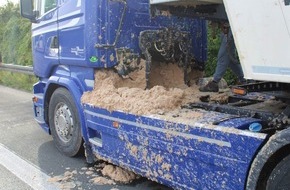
[[29, 159]]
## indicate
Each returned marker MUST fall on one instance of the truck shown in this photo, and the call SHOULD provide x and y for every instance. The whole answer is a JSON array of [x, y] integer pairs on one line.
[[243, 144]]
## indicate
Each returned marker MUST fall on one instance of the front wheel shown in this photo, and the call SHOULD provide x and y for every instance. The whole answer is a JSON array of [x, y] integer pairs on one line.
[[65, 123], [279, 178]]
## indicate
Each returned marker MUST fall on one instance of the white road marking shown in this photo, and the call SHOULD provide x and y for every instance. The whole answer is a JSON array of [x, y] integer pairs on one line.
[[27, 172]]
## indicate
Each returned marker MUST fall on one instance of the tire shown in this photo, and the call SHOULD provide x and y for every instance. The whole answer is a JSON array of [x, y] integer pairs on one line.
[[64, 123], [279, 178]]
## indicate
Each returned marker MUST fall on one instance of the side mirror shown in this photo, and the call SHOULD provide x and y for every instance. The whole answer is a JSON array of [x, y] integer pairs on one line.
[[27, 10]]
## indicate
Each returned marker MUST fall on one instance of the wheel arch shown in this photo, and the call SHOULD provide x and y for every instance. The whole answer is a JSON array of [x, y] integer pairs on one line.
[[76, 92], [268, 157]]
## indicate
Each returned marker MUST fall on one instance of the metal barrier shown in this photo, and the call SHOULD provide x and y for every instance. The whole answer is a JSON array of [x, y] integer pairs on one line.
[[17, 68]]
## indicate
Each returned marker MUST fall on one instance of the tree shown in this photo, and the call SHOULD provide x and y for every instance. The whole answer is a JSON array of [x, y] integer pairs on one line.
[[15, 36]]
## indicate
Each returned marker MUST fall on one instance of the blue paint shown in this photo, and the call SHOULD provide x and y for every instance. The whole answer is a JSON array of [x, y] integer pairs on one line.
[[79, 28], [222, 157], [240, 123]]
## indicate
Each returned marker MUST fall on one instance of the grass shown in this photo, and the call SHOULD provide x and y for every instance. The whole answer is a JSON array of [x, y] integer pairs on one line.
[[17, 80]]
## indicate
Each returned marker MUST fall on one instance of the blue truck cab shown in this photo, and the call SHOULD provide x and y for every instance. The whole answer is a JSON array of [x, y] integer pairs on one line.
[[71, 39]]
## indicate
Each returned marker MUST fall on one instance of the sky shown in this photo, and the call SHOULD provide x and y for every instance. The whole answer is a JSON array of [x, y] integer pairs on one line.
[[3, 2]]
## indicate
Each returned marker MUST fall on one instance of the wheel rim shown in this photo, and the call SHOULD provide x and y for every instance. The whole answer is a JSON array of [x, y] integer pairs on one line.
[[63, 121]]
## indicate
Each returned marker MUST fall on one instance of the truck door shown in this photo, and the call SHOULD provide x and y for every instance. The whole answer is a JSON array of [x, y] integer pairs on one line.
[[71, 28], [115, 16], [44, 37], [109, 25]]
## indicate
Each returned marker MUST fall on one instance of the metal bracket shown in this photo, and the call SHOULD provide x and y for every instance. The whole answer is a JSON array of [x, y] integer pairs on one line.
[[282, 120], [279, 90], [165, 45]]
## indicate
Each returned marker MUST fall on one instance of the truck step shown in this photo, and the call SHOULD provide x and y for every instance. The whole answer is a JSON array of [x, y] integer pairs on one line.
[[96, 141]]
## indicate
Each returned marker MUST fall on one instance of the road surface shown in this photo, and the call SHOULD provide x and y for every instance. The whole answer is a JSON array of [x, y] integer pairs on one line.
[[29, 159]]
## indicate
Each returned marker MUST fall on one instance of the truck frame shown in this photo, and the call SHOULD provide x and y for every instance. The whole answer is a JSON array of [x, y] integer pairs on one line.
[[236, 145]]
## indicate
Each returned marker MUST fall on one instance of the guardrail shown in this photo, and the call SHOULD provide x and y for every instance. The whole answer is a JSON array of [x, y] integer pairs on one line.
[[17, 68]]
